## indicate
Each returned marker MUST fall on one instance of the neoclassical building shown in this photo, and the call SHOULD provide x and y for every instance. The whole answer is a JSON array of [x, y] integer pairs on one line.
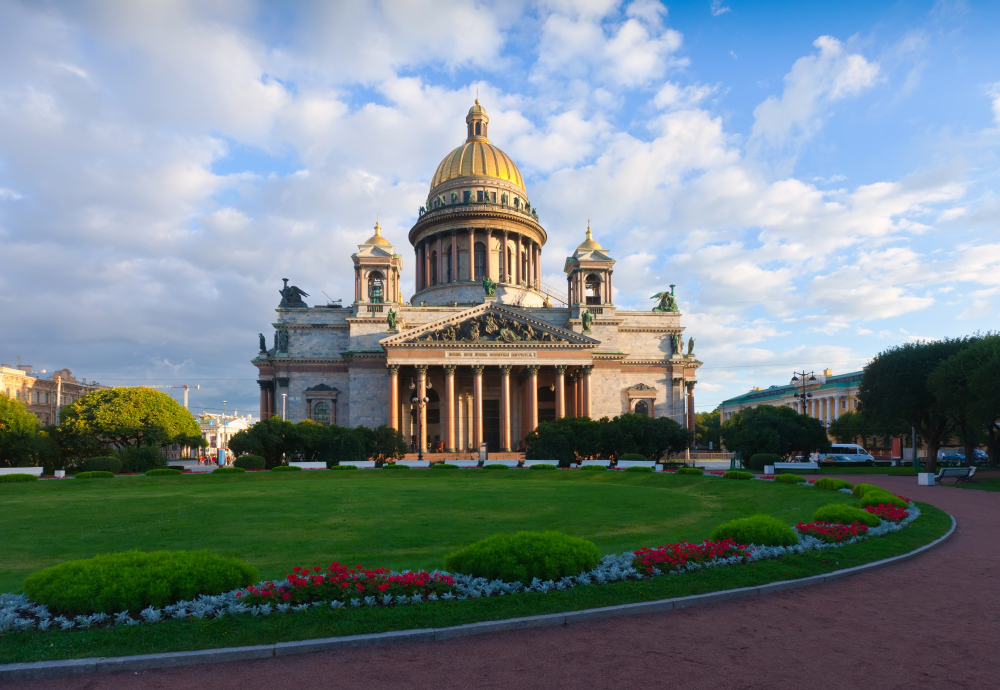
[[492, 349], [827, 396]]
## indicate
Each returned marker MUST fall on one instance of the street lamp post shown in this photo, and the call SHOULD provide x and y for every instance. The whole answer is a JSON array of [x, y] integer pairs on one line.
[[417, 405], [284, 399], [803, 395]]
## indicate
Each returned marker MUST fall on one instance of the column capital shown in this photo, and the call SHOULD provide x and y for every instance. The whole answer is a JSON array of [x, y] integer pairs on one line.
[[505, 369], [560, 369], [533, 368], [421, 368], [393, 368], [477, 369], [587, 369], [449, 368], [266, 385], [690, 385]]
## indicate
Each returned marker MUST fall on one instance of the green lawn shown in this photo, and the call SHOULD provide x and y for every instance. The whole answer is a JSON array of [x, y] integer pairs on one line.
[[980, 482], [407, 519]]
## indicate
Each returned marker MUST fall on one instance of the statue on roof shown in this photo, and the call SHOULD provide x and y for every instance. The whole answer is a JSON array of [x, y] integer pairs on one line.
[[391, 318], [291, 297], [489, 286], [678, 343], [667, 300], [263, 342], [587, 319], [691, 346]]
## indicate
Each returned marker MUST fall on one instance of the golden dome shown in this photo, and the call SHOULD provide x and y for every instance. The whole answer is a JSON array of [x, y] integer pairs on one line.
[[589, 243], [477, 157], [377, 237]]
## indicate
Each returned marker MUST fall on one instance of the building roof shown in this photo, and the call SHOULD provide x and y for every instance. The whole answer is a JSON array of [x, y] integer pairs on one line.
[[758, 396]]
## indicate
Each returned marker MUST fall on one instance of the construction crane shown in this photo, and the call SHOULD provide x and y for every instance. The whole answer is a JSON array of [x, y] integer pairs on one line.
[[185, 387]]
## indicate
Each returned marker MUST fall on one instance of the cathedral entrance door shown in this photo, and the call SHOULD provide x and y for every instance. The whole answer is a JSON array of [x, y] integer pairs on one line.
[[491, 424]]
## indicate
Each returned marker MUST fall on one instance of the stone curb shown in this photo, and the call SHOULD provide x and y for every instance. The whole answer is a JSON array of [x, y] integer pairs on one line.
[[76, 667]]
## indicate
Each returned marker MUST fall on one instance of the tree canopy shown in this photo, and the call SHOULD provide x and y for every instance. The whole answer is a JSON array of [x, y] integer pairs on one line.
[[278, 441], [707, 428], [575, 438], [18, 433], [129, 417], [777, 430]]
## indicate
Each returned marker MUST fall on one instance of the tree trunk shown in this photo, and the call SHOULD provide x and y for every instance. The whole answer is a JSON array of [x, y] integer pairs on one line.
[[993, 445], [970, 447]]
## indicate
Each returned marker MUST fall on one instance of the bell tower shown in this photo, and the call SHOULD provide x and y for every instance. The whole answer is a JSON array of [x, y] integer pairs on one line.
[[376, 273], [588, 274]]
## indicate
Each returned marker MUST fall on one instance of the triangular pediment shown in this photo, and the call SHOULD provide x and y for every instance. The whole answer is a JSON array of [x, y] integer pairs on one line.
[[489, 325], [374, 250]]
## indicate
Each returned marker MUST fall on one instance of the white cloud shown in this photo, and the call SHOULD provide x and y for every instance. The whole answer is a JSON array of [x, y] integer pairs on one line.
[[994, 92], [717, 8]]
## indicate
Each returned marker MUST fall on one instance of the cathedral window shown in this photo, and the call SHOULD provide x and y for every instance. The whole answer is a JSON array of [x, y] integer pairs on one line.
[[642, 407], [466, 196], [376, 287], [480, 196], [480, 260], [434, 268], [479, 128], [593, 287], [447, 266], [322, 413]]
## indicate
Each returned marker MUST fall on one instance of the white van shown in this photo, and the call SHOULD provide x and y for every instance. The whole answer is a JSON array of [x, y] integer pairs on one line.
[[849, 452]]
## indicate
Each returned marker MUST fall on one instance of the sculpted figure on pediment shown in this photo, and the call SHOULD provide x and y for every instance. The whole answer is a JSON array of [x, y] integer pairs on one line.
[[490, 327]]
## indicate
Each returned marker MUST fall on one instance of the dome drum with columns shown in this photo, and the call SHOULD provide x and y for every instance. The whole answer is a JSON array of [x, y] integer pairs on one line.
[[492, 366]]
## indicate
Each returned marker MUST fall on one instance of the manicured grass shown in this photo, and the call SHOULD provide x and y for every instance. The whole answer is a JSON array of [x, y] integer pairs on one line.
[[980, 482], [399, 520], [321, 622]]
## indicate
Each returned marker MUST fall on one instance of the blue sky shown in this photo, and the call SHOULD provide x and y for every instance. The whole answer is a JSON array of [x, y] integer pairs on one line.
[[819, 180]]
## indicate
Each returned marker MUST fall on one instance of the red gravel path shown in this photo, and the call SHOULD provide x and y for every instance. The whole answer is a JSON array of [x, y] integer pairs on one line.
[[931, 622]]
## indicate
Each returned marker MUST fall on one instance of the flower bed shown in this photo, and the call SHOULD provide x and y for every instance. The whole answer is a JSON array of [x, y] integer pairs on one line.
[[831, 532], [892, 513], [670, 557]]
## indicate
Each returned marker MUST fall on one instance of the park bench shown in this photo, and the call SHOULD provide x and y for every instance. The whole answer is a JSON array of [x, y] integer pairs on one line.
[[961, 474], [37, 471], [794, 466]]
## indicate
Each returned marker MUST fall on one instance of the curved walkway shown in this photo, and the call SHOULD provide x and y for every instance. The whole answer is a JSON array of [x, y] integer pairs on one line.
[[930, 622]]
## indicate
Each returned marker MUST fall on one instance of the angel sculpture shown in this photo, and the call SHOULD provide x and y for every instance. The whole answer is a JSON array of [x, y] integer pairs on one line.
[[291, 296], [667, 301]]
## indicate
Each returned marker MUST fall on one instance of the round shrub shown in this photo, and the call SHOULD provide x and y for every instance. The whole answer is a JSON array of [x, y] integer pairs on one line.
[[594, 468], [757, 462], [845, 515], [137, 459], [286, 468], [133, 580], [443, 466], [831, 484], [112, 465], [17, 478], [760, 530], [95, 475], [163, 472], [228, 470], [690, 470], [542, 467], [790, 479], [395, 466], [738, 474], [495, 466], [523, 556], [342, 467], [632, 456], [861, 489], [638, 469], [882, 497], [250, 462]]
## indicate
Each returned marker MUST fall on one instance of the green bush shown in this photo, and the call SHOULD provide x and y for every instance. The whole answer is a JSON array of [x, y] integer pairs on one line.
[[542, 467], [17, 478], [760, 530], [138, 459], [495, 466], [738, 474], [638, 469], [443, 466], [524, 556], [759, 460], [395, 466], [250, 462], [882, 497], [790, 479], [845, 515], [690, 470], [286, 468], [831, 484], [594, 468], [133, 580], [112, 465], [342, 467], [95, 475], [228, 470], [163, 472], [632, 456], [861, 489]]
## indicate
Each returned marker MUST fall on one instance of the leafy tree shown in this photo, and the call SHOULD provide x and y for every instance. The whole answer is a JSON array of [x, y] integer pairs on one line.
[[708, 428], [18, 434], [966, 385], [895, 389], [578, 438], [128, 417], [382, 444], [272, 439], [778, 430]]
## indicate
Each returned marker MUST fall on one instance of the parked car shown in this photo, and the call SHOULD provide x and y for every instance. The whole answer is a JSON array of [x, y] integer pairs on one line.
[[952, 456]]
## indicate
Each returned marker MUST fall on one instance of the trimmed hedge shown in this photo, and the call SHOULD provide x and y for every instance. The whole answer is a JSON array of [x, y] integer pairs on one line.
[[112, 465], [738, 474], [690, 470], [882, 497], [133, 580], [394, 466], [342, 467], [17, 478], [524, 556], [228, 470], [760, 530], [759, 460], [286, 468], [163, 472], [861, 489], [444, 466], [95, 475], [790, 479], [495, 466], [542, 467], [638, 469], [594, 468], [831, 484], [250, 462], [845, 515], [632, 456]]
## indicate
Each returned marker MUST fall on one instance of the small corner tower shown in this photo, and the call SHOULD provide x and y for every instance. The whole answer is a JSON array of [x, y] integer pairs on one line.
[[376, 271], [588, 274]]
